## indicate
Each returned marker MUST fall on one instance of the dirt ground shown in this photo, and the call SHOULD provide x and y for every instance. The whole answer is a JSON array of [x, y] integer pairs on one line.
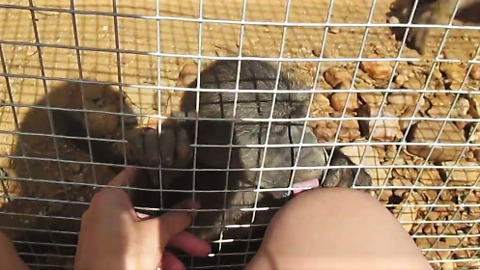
[[140, 70]]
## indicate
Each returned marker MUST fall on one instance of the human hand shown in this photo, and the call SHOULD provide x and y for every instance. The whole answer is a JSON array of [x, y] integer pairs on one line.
[[9, 256], [114, 236]]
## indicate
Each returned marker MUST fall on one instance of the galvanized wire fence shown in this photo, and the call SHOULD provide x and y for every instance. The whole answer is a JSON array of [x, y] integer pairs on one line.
[[77, 76]]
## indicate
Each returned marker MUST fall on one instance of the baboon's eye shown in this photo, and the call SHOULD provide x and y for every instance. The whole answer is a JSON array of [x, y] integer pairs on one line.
[[99, 102]]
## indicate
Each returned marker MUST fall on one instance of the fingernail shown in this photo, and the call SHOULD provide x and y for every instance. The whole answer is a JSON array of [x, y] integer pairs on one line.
[[142, 215]]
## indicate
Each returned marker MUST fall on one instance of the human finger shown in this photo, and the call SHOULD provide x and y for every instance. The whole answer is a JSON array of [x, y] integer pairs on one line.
[[191, 244], [168, 225], [171, 262], [187, 204], [116, 198], [124, 178], [171, 223], [109, 201]]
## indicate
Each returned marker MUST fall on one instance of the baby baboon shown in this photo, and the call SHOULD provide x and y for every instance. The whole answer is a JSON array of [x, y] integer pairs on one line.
[[432, 12], [230, 148], [46, 187]]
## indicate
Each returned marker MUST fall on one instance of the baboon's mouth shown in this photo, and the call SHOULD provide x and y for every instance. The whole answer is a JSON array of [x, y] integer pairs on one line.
[[305, 185]]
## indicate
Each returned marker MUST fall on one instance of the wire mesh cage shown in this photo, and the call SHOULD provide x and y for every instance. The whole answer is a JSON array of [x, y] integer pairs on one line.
[[255, 95]]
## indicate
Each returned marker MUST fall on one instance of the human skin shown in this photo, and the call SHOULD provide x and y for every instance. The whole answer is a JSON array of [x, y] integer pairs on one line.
[[9, 256], [336, 229], [114, 236]]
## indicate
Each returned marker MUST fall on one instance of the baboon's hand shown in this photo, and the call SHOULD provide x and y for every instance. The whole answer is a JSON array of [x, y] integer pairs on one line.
[[169, 149], [346, 176], [143, 146], [424, 14], [174, 145], [428, 12]]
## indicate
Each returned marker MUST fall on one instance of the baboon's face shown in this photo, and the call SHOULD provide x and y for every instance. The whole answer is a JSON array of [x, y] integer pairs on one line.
[[105, 104], [283, 160]]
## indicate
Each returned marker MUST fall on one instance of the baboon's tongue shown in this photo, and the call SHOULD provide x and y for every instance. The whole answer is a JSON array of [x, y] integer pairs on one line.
[[305, 185]]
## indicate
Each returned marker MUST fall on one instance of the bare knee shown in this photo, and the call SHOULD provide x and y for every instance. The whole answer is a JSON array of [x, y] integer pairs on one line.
[[332, 205], [333, 200], [336, 229]]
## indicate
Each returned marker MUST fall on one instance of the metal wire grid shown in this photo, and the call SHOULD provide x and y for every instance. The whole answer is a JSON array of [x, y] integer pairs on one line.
[[33, 9]]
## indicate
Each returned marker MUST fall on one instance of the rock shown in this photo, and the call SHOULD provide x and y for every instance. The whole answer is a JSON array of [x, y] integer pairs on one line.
[[441, 104], [473, 213], [449, 265], [474, 98], [427, 243], [424, 243], [430, 177], [447, 230], [454, 73], [413, 83], [443, 254], [406, 216], [461, 107], [407, 77], [430, 195], [385, 195], [475, 133], [475, 229], [416, 198], [451, 241], [468, 265], [372, 98], [390, 151], [325, 130], [321, 106], [459, 176], [405, 173], [402, 101], [397, 182], [333, 30], [317, 51], [385, 130], [427, 131], [475, 72], [434, 215], [458, 226], [355, 153], [400, 80], [477, 154], [404, 123], [338, 77], [429, 229], [377, 70], [350, 129], [339, 100], [446, 195]]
